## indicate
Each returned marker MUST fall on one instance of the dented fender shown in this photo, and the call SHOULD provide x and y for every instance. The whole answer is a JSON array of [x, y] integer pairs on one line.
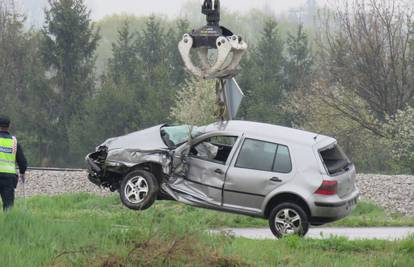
[[134, 157]]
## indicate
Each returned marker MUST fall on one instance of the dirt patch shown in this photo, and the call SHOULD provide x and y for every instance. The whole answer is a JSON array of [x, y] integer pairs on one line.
[[175, 252]]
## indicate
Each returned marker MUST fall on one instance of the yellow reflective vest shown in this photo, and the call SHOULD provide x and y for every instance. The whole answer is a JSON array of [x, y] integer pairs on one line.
[[8, 150]]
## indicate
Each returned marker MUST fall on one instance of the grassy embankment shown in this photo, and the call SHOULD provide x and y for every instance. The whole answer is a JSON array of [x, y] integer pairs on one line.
[[85, 230]]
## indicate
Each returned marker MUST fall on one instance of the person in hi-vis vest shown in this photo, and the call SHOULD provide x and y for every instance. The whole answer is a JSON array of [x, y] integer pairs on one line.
[[11, 153]]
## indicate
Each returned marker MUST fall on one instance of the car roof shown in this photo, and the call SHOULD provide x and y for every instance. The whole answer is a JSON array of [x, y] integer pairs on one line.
[[270, 131]]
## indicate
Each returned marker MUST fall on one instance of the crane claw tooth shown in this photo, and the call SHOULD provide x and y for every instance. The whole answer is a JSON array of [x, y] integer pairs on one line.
[[229, 53]]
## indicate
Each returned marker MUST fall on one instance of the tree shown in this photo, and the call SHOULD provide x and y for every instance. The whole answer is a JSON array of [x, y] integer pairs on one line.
[[152, 48], [195, 103], [159, 89], [24, 90], [68, 47], [115, 110], [365, 52], [174, 36], [12, 55], [298, 72], [364, 148], [117, 107], [125, 64], [263, 79], [298, 61]]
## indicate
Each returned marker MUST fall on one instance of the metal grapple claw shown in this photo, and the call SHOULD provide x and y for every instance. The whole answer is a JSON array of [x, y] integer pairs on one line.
[[230, 48]]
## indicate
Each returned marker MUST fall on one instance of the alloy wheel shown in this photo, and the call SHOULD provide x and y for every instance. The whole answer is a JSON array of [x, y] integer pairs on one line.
[[288, 222], [136, 189]]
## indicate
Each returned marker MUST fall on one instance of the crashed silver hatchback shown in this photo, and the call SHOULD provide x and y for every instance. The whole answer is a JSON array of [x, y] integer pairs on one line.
[[291, 177]]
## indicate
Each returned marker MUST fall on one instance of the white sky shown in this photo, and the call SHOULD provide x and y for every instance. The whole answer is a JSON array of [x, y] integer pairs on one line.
[[101, 8]]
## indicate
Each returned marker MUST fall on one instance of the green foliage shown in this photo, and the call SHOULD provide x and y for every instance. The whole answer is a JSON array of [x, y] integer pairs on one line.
[[62, 109], [137, 89], [174, 36], [272, 73], [157, 72], [109, 28], [124, 62], [83, 229], [195, 103], [114, 111], [367, 214], [314, 111], [267, 71], [24, 90], [68, 46], [298, 60], [400, 133]]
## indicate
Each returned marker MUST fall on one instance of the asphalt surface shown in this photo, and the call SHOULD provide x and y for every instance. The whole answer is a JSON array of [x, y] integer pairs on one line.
[[386, 233]]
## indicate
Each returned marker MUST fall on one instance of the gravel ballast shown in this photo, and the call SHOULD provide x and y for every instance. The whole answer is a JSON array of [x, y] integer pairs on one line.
[[393, 192], [58, 182]]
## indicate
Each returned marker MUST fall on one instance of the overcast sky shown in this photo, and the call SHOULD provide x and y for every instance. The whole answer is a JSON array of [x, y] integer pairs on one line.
[[100, 8]]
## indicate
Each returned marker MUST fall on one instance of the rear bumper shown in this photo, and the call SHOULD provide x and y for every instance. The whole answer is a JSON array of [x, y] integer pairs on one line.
[[329, 211], [350, 202]]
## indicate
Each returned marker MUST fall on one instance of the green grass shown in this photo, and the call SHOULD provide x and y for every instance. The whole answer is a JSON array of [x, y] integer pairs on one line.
[[365, 214], [369, 214], [86, 230]]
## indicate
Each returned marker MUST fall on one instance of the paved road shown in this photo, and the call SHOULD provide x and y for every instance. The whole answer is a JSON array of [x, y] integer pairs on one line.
[[388, 233]]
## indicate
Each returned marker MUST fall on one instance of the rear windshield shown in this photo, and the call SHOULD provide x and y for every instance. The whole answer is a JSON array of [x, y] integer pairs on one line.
[[334, 159]]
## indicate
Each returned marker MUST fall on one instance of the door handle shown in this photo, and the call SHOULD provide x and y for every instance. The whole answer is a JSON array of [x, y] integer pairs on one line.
[[276, 179], [218, 171]]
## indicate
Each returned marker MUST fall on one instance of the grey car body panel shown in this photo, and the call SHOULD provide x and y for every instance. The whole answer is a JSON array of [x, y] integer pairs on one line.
[[132, 141], [130, 151], [224, 186]]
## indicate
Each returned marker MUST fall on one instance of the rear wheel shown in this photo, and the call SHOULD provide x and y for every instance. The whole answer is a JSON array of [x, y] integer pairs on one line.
[[288, 219], [138, 190]]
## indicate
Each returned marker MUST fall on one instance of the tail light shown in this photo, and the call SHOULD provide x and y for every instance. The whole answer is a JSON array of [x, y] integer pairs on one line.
[[327, 188]]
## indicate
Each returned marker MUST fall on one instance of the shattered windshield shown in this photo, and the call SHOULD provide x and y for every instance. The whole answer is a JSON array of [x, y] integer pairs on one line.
[[174, 136]]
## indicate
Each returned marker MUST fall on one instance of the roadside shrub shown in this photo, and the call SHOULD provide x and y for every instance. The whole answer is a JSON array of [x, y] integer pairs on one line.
[[400, 130], [195, 103]]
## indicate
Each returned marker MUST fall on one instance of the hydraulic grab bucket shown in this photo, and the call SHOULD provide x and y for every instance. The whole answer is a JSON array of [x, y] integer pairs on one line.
[[230, 47]]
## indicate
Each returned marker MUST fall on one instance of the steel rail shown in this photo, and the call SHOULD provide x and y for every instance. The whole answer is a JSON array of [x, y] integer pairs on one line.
[[54, 169]]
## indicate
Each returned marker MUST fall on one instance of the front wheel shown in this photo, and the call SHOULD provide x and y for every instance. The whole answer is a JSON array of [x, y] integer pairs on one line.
[[138, 190], [288, 219]]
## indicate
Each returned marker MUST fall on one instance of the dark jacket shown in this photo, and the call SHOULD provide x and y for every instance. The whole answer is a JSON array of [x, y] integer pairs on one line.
[[20, 158]]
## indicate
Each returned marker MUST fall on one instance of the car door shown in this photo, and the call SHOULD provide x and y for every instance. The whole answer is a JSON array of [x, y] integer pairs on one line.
[[258, 169], [207, 162]]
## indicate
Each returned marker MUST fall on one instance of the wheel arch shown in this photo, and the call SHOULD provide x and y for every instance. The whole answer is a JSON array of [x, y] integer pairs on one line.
[[286, 197], [155, 168]]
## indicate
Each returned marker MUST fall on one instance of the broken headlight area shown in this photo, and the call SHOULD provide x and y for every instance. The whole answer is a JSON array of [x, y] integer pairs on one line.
[[96, 161], [99, 172]]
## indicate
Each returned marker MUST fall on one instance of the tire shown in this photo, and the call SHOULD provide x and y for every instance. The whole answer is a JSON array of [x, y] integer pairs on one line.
[[293, 220], [138, 190]]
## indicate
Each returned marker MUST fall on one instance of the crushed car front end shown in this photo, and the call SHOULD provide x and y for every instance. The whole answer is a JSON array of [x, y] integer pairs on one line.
[[107, 167], [149, 149], [117, 156]]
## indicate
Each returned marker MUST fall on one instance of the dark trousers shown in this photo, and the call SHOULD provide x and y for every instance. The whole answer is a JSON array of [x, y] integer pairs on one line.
[[7, 185]]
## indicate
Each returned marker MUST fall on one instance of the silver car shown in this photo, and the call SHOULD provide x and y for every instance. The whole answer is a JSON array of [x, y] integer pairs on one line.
[[291, 177]]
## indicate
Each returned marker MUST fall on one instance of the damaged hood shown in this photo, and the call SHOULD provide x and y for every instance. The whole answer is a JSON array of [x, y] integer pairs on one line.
[[144, 140]]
